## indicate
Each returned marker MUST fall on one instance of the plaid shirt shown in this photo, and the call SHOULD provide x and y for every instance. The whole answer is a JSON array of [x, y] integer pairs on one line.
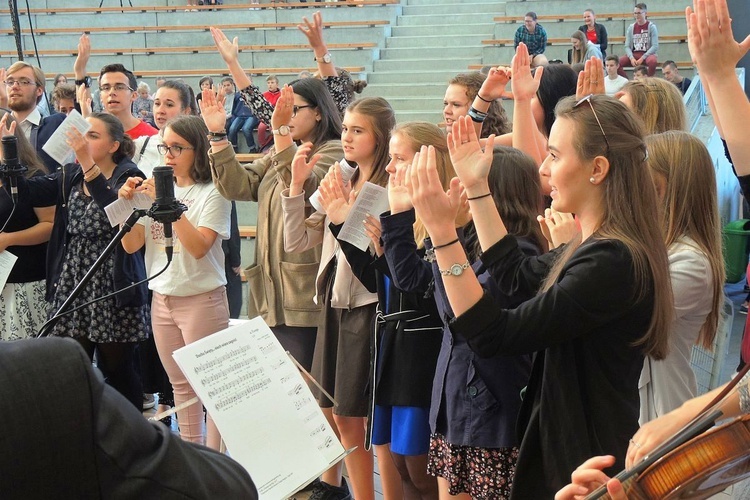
[[536, 42]]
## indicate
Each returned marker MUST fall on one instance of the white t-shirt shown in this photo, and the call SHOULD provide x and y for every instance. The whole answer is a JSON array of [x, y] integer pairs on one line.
[[150, 158], [611, 87], [187, 276]]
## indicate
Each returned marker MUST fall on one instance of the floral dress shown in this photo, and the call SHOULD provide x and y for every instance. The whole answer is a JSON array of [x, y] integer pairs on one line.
[[102, 322]]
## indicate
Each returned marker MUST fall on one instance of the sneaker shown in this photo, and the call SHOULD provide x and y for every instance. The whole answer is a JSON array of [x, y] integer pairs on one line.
[[743, 308], [148, 401], [325, 491]]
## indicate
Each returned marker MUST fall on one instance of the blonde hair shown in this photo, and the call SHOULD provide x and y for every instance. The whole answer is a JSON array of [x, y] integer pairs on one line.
[[630, 202], [420, 134], [39, 77], [690, 208], [658, 103], [579, 55]]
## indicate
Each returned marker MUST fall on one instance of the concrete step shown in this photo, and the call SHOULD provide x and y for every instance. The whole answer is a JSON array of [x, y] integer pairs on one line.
[[390, 90], [417, 115], [424, 64], [570, 7], [432, 53], [420, 42], [411, 77], [455, 2], [443, 29], [458, 16], [479, 9], [416, 103]]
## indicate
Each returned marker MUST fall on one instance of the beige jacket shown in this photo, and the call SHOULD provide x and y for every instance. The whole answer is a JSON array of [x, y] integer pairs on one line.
[[300, 234], [281, 283]]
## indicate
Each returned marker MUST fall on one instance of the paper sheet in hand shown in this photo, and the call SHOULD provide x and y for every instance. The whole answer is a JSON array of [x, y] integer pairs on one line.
[[373, 200], [263, 408], [57, 146], [7, 261], [119, 210]]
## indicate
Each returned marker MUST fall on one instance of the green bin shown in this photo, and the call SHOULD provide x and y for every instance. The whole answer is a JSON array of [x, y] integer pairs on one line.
[[736, 235]]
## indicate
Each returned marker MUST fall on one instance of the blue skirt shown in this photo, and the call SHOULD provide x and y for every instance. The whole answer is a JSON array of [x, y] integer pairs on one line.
[[406, 428]]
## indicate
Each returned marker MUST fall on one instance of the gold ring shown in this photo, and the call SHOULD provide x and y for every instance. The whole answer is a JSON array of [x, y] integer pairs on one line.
[[635, 444]]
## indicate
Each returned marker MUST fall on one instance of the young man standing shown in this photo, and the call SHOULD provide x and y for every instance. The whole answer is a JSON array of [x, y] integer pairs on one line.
[[21, 91], [613, 82], [641, 42], [672, 74], [535, 38]]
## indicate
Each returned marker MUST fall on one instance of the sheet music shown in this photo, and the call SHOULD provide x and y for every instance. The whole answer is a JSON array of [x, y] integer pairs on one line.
[[263, 408], [57, 146], [7, 261], [119, 210], [373, 200]]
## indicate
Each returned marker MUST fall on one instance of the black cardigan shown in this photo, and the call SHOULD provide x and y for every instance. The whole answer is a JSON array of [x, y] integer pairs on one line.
[[601, 35]]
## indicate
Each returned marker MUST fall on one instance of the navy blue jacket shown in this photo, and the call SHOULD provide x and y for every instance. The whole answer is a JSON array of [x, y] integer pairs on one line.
[[128, 268]]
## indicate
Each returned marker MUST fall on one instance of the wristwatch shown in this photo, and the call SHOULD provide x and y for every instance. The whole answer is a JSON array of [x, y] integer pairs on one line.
[[326, 58], [283, 130], [86, 81], [455, 269]]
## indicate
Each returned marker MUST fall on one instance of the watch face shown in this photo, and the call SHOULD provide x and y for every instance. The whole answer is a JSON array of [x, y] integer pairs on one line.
[[457, 269], [284, 130], [327, 58]]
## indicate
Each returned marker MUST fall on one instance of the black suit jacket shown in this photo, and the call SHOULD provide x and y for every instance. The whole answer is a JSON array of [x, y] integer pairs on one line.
[[69, 435], [41, 134]]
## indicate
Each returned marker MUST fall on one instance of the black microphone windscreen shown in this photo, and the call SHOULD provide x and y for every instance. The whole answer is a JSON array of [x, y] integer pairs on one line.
[[10, 150], [164, 185]]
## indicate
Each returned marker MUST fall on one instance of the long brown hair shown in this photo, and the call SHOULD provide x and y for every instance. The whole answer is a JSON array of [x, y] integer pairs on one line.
[[497, 121], [194, 131], [630, 202], [579, 55], [659, 104], [381, 116], [420, 134], [690, 208]]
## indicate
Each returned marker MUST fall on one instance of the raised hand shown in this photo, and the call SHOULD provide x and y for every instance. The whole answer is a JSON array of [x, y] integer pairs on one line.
[[463, 216], [495, 83], [471, 163], [436, 208], [557, 227], [314, 32], [710, 38], [302, 168], [82, 58], [591, 79], [3, 89], [588, 477], [83, 95], [282, 113], [523, 84], [336, 204], [5, 130], [229, 50], [398, 192], [212, 112], [80, 145]]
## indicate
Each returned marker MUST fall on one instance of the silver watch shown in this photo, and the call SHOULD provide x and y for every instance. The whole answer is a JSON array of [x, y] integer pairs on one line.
[[455, 269], [283, 130]]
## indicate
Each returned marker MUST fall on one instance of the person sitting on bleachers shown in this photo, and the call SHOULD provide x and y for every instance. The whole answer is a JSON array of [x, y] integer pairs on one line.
[[613, 82], [595, 33], [672, 74], [239, 116], [535, 38], [641, 42]]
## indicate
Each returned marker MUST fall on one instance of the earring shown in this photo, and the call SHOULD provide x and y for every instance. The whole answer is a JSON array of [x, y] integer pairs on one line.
[[592, 180]]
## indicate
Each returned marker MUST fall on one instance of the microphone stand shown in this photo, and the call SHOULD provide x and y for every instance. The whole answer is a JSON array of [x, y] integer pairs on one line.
[[125, 229]]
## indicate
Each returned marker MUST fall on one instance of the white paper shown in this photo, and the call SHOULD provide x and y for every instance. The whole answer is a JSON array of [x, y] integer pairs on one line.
[[57, 146], [7, 261], [373, 200], [347, 172], [119, 210], [266, 414]]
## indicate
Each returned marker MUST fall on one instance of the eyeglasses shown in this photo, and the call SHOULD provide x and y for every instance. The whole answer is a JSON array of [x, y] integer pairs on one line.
[[23, 82], [295, 109], [175, 151], [120, 87], [588, 100]]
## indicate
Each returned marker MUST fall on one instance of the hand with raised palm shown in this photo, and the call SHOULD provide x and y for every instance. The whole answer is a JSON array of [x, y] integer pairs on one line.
[[212, 112], [495, 83], [398, 192], [472, 165], [229, 50], [591, 79], [436, 208], [336, 204], [523, 83], [711, 40], [302, 168]]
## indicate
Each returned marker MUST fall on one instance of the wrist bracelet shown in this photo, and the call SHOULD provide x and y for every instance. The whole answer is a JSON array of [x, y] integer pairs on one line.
[[214, 134], [476, 116], [483, 99], [89, 169], [217, 138], [445, 245], [479, 197]]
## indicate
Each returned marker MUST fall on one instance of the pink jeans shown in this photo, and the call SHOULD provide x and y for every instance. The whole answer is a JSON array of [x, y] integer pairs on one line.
[[178, 321]]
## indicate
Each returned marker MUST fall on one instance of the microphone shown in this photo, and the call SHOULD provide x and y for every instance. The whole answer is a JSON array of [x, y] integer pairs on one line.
[[11, 167], [166, 209]]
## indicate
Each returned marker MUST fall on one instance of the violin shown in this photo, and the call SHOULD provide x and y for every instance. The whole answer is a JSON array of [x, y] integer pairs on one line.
[[698, 462]]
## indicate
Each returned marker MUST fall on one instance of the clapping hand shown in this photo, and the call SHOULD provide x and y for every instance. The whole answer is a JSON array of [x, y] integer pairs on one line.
[[471, 163], [336, 204], [436, 208]]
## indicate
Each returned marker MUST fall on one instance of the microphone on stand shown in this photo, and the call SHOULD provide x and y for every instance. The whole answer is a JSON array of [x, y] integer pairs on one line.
[[166, 209], [11, 167]]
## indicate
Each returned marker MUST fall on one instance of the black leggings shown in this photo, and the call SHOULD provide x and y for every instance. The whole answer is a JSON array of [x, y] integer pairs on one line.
[[116, 361]]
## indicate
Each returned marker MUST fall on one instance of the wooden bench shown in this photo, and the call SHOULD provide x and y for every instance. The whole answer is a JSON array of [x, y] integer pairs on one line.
[[190, 27], [680, 65], [579, 17], [248, 232], [178, 8], [193, 50], [178, 73], [502, 42]]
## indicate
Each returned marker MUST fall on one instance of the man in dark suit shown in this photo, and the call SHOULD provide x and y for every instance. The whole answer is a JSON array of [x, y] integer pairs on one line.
[[21, 91], [73, 436]]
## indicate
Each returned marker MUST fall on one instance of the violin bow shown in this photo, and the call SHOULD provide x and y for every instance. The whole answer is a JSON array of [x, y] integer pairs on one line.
[[706, 419]]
